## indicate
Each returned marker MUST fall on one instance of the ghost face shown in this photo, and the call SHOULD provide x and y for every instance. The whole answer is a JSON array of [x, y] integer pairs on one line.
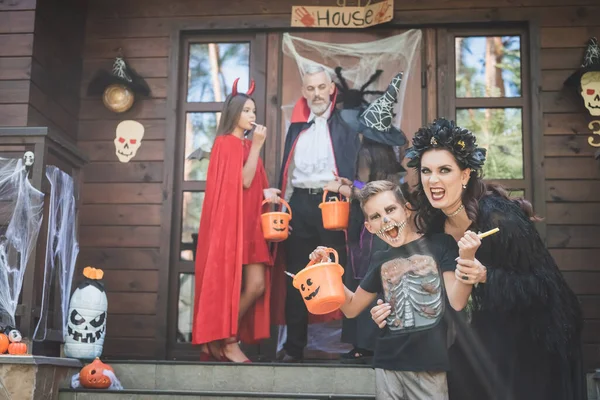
[[86, 324], [590, 91], [128, 140]]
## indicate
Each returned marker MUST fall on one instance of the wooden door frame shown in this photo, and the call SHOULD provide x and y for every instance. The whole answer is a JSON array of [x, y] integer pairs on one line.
[[274, 26]]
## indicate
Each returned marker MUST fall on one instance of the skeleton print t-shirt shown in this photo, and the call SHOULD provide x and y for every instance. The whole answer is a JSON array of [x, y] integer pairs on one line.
[[410, 278]]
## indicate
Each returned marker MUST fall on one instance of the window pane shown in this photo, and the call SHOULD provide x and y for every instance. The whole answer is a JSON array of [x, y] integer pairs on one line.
[[200, 132], [516, 193], [185, 308], [488, 66], [190, 222], [213, 67], [500, 131]]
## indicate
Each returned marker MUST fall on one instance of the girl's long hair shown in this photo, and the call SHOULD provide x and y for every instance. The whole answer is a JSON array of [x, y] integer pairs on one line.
[[380, 159], [230, 115]]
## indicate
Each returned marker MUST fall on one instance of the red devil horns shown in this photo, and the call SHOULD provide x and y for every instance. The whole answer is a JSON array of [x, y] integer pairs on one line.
[[234, 90]]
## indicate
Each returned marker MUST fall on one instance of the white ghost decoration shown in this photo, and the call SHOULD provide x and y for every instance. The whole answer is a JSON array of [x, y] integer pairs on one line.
[[86, 322], [590, 91], [128, 139]]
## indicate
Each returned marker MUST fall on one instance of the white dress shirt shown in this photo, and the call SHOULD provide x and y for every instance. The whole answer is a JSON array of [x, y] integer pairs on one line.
[[314, 160]]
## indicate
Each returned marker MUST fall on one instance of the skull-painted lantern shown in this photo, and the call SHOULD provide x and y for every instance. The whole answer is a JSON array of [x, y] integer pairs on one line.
[[128, 140], [587, 78], [86, 322]]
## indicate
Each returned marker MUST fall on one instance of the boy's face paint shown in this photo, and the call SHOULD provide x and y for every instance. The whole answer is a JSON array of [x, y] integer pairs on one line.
[[386, 217]]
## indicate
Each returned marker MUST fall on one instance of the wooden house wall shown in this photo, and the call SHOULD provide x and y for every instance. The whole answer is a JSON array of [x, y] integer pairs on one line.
[[121, 216], [40, 63]]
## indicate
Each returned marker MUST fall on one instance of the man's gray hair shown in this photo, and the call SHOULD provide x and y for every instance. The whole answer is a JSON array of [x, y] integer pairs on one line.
[[312, 69]]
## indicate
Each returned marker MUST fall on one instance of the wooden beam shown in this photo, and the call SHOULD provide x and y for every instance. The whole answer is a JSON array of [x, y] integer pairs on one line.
[[131, 281], [572, 190], [135, 172], [17, 22], [120, 214], [119, 258], [568, 146], [560, 236], [142, 109], [105, 129], [119, 236]]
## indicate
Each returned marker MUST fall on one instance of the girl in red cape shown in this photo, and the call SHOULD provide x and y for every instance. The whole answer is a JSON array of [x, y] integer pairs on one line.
[[232, 291]]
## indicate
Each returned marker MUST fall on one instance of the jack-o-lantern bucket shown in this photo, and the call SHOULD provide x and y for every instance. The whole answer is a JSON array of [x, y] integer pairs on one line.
[[275, 225], [321, 286], [335, 213]]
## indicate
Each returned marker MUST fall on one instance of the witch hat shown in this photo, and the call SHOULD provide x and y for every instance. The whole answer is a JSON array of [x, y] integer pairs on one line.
[[591, 62], [121, 74], [375, 122]]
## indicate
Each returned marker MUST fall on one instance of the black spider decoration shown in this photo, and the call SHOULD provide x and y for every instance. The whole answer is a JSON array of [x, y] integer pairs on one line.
[[353, 98]]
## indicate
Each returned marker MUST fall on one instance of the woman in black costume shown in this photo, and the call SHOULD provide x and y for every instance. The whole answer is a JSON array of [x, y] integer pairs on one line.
[[524, 338]]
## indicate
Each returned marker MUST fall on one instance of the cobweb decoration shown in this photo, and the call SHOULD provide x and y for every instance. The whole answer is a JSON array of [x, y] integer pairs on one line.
[[62, 246], [359, 62], [21, 208], [119, 69]]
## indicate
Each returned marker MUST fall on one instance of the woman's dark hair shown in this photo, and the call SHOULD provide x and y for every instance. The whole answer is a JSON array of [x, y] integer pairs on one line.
[[461, 143], [230, 115], [380, 159]]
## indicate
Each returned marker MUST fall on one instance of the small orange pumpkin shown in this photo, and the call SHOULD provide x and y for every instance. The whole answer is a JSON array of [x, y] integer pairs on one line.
[[93, 273], [17, 348], [92, 375], [3, 343]]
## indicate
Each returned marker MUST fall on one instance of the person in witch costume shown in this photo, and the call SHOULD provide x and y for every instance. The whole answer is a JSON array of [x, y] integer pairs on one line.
[[232, 291], [587, 78], [376, 160], [317, 146], [524, 338]]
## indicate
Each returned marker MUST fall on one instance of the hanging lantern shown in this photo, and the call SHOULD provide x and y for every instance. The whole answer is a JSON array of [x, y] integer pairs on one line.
[[86, 322], [118, 87]]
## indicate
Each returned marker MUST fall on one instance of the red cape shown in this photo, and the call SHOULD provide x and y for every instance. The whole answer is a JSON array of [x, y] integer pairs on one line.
[[219, 253]]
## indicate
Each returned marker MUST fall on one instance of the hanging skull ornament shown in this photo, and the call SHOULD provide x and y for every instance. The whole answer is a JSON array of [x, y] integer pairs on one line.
[[29, 158], [587, 78], [86, 325], [590, 91], [128, 139]]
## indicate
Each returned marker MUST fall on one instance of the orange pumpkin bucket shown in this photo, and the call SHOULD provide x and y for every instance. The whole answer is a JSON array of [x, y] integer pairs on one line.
[[320, 285], [335, 213], [275, 225]]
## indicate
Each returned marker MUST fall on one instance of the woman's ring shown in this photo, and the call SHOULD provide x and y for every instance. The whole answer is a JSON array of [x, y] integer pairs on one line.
[[465, 277]]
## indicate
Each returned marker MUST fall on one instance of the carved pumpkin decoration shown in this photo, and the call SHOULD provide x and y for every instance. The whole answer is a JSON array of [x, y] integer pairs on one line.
[[86, 324], [3, 343], [321, 286], [92, 375]]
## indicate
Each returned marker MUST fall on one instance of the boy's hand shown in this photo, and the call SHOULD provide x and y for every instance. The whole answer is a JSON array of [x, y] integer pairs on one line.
[[380, 312], [319, 255], [468, 245]]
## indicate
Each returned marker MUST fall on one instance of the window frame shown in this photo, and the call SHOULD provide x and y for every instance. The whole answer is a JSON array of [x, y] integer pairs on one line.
[[177, 266], [449, 103]]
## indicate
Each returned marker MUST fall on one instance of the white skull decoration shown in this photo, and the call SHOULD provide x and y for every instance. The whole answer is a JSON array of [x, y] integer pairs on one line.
[[590, 91], [86, 321], [128, 139], [29, 158]]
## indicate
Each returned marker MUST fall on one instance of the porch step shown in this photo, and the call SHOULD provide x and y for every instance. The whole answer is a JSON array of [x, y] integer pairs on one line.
[[132, 394], [176, 379]]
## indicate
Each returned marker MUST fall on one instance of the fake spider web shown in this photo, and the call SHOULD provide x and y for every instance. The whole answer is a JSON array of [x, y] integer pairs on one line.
[[359, 61], [62, 246], [21, 207]]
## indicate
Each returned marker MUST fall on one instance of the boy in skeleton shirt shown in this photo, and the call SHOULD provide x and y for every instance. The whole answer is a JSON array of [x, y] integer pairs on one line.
[[411, 356]]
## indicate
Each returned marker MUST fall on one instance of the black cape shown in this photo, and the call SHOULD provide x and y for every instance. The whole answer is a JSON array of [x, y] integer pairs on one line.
[[524, 338]]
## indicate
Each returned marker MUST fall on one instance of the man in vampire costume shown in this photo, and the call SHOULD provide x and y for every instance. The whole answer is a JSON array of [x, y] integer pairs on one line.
[[318, 144]]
